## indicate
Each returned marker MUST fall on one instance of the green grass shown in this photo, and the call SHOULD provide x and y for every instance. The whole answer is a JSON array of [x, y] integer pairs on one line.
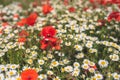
[[6, 2], [25, 3]]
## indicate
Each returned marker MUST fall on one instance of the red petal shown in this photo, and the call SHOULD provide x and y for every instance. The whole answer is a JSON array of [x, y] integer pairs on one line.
[[48, 31], [31, 19], [46, 9], [57, 47], [30, 73], [22, 22], [43, 44]]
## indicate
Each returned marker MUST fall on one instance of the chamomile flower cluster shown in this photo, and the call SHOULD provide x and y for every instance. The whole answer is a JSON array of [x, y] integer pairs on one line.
[[89, 44]]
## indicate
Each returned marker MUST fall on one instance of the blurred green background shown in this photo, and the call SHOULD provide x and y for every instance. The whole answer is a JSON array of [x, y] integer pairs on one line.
[[6, 2], [25, 3]]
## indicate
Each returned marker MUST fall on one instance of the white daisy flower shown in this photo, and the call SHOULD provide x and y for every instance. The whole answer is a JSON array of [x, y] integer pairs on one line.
[[56, 78], [103, 63], [114, 57], [68, 68], [76, 64], [85, 66], [54, 63], [41, 62], [49, 72], [99, 76], [79, 55], [116, 76], [78, 47]]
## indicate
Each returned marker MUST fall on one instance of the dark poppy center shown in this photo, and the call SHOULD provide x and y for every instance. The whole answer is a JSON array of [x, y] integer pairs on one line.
[[54, 44], [46, 42], [48, 35], [29, 78]]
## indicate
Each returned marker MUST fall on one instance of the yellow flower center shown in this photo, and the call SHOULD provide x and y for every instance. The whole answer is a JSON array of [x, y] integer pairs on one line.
[[11, 73], [103, 63]]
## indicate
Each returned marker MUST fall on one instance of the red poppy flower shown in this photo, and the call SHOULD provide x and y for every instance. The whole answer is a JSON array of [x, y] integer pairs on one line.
[[31, 19], [53, 43], [5, 24], [66, 2], [29, 74], [49, 40], [44, 44], [46, 9], [104, 2], [22, 22], [116, 1], [23, 33], [115, 16], [56, 45], [1, 31], [15, 15], [101, 2], [92, 1], [48, 31], [22, 39], [34, 4], [85, 9], [101, 22], [93, 67], [71, 9], [119, 5]]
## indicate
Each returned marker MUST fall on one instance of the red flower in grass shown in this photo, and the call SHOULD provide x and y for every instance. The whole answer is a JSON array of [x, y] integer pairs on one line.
[[47, 8], [23, 33], [72, 9], [115, 16], [52, 43], [101, 22], [94, 67], [66, 2], [29, 74], [16, 16], [22, 22], [92, 1], [21, 39], [49, 40], [4, 24], [101, 2], [116, 1], [1, 31], [31, 19], [34, 4], [85, 8], [48, 31]]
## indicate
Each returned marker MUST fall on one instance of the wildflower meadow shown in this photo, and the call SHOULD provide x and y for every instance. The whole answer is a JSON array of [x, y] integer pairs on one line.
[[60, 40]]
